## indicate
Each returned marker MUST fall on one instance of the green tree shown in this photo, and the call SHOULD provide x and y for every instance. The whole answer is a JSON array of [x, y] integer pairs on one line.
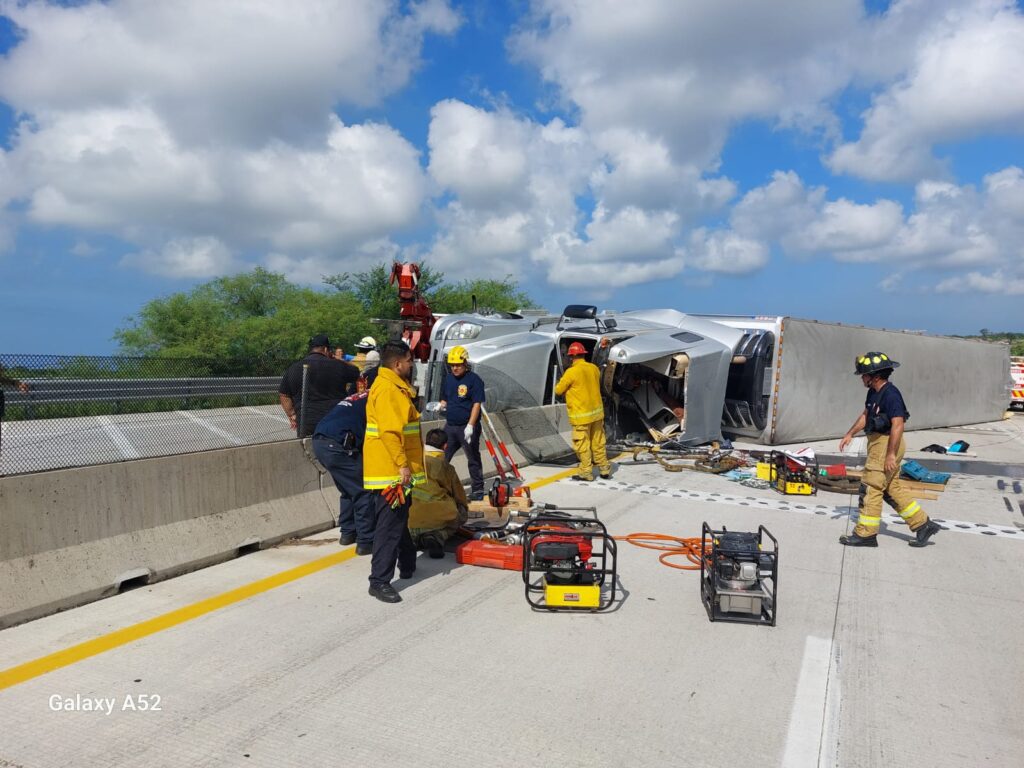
[[257, 314], [503, 295], [375, 292], [380, 298], [260, 315]]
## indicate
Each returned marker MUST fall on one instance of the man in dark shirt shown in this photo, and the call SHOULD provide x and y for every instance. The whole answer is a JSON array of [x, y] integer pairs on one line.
[[327, 381], [883, 419], [462, 394], [338, 445]]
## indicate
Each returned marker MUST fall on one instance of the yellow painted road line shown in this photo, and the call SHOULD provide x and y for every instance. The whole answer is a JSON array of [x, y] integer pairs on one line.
[[119, 637], [562, 475], [535, 484], [98, 645]]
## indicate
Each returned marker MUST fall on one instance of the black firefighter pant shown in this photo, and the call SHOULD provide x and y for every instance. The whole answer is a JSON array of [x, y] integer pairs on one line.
[[457, 439], [391, 541], [355, 510]]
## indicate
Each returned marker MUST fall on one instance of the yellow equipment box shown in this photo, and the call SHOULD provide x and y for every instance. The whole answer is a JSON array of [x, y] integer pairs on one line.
[[765, 471], [572, 595], [795, 489]]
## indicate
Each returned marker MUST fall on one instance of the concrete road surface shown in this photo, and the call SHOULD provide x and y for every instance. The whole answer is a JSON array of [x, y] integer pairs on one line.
[[892, 656]]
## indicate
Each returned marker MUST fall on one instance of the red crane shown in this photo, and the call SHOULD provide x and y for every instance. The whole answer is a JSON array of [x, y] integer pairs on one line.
[[415, 312]]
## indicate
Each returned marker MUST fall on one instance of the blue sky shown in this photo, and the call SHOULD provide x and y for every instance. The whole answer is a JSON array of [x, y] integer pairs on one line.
[[845, 161]]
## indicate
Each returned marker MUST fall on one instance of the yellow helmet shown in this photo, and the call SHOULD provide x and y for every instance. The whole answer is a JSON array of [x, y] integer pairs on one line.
[[458, 356]]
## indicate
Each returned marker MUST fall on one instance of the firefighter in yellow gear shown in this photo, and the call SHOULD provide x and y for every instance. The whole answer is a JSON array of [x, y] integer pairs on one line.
[[392, 465], [439, 505], [883, 419], [581, 386]]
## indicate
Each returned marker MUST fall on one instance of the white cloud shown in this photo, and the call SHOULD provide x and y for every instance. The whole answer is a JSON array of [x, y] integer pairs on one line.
[[777, 209], [683, 71], [518, 186], [964, 81], [1005, 190], [951, 227], [190, 122], [726, 252], [995, 283], [84, 249], [195, 257], [311, 269], [891, 283], [627, 247], [846, 226], [228, 71], [123, 171], [168, 122]]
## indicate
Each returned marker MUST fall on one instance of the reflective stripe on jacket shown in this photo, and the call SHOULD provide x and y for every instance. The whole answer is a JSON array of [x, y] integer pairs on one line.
[[392, 433], [434, 502], [581, 385]]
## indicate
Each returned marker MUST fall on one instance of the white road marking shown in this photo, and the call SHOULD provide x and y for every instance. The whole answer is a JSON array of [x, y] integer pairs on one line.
[[807, 718], [258, 412], [121, 440], [216, 430], [804, 507]]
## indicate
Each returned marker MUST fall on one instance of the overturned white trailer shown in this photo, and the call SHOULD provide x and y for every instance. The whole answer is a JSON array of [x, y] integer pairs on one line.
[[696, 377]]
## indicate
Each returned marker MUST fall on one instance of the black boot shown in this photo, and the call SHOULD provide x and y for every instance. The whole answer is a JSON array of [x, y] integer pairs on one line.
[[385, 593], [853, 540], [924, 533], [432, 545]]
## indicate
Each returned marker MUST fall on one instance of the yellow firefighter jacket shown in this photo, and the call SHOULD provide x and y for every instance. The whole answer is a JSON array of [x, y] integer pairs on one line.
[[392, 433], [359, 361], [434, 501], [581, 385]]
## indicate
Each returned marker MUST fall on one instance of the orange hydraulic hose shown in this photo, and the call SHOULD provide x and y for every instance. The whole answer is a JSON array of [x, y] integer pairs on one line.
[[671, 546]]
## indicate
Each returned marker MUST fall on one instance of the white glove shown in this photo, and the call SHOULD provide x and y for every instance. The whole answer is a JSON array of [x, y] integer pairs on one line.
[[469, 432], [434, 406]]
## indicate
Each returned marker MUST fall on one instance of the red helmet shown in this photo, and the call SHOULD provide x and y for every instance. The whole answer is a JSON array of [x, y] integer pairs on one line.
[[576, 350]]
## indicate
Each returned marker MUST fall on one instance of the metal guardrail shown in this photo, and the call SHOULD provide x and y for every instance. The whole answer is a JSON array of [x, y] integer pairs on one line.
[[79, 410], [114, 390]]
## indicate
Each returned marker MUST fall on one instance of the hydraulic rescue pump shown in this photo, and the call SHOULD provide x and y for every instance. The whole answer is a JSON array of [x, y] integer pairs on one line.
[[738, 575], [569, 562]]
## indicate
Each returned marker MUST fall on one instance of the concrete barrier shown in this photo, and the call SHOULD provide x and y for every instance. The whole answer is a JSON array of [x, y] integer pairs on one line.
[[532, 435], [71, 536]]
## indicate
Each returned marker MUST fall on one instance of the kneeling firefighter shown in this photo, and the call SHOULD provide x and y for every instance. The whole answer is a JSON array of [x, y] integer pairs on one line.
[[883, 420]]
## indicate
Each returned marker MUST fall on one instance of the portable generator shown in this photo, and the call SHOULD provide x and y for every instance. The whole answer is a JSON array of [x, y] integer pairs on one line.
[[738, 575], [569, 562]]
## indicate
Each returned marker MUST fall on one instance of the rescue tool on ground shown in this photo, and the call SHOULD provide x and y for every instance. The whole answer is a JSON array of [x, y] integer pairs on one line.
[[739, 576]]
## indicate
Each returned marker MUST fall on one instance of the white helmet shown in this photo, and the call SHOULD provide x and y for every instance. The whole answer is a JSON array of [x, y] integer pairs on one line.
[[366, 343]]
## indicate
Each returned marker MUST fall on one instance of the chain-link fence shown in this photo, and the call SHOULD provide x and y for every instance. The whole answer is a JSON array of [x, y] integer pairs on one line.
[[73, 411]]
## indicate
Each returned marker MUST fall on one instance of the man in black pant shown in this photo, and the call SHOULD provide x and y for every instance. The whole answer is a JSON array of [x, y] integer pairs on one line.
[[392, 465], [462, 395], [338, 445], [327, 381]]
